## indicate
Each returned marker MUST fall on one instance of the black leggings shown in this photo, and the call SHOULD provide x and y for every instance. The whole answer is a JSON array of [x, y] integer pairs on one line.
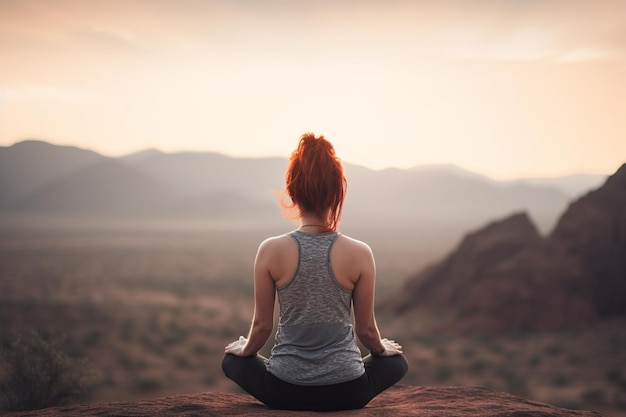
[[250, 373]]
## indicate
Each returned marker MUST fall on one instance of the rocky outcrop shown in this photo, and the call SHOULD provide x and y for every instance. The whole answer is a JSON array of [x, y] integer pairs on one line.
[[402, 401], [447, 283], [507, 277], [593, 229]]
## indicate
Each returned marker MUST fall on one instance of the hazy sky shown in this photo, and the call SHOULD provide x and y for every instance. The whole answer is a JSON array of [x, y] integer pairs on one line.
[[503, 87]]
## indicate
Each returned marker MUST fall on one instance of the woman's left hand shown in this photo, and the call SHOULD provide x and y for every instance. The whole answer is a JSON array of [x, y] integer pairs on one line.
[[391, 348], [236, 347]]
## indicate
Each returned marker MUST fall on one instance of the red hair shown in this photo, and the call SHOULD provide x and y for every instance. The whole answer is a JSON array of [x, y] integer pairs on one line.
[[315, 181]]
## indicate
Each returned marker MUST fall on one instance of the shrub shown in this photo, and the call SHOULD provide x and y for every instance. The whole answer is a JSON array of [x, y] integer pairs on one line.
[[200, 349], [182, 362], [593, 396], [147, 384], [126, 330], [478, 366], [614, 375], [617, 342], [175, 334], [92, 338], [554, 349], [441, 351], [468, 352], [563, 402], [560, 380], [152, 345], [210, 379], [108, 379], [535, 361], [443, 373], [40, 374], [515, 382]]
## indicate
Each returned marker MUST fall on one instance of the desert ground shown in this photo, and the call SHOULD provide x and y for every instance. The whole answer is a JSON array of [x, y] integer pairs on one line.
[[152, 309]]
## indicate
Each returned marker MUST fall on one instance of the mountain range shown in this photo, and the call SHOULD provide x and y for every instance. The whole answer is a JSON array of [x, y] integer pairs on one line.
[[507, 277], [42, 179]]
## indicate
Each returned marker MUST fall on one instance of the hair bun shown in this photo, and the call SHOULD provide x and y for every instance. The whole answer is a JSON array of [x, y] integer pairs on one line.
[[315, 181]]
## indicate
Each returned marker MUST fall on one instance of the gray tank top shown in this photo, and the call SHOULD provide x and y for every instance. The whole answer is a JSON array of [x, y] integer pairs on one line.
[[315, 342]]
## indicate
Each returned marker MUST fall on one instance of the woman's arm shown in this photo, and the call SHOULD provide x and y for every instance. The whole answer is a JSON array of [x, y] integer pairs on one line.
[[363, 298], [263, 319]]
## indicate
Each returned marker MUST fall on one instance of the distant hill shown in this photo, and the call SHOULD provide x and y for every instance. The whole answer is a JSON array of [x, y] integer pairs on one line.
[[107, 187], [28, 166], [571, 185], [59, 181], [38, 178], [506, 277], [199, 173], [414, 197]]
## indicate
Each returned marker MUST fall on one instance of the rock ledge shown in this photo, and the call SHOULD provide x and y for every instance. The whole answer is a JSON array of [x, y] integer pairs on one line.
[[400, 400]]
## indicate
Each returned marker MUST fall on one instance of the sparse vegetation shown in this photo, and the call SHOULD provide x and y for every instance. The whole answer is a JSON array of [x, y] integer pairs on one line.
[[478, 366], [468, 352], [147, 384], [554, 349], [200, 349], [443, 373], [534, 361], [158, 323], [593, 396], [617, 378], [210, 379], [442, 351], [560, 380], [514, 381], [182, 362], [151, 344], [40, 374], [565, 402]]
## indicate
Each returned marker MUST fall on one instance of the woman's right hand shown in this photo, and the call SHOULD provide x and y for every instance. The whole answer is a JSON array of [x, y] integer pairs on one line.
[[236, 347], [391, 348]]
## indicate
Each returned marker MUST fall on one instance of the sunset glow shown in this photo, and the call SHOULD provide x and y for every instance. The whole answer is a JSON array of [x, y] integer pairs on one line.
[[504, 88]]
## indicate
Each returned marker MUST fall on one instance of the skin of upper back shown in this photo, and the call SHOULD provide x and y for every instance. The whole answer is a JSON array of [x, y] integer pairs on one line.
[[353, 266], [350, 259]]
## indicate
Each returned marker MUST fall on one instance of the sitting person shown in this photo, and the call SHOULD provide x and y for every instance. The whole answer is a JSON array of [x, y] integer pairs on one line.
[[319, 276]]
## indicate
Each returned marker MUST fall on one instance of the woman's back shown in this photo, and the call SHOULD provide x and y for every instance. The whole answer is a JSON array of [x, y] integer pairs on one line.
[[350, 259], [315, 342], [313, 295]]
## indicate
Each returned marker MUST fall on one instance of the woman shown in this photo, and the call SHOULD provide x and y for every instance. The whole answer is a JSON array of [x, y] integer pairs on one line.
[[319, 276]]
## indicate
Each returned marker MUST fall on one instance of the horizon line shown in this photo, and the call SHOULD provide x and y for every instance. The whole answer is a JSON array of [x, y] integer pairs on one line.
[[433, 165]]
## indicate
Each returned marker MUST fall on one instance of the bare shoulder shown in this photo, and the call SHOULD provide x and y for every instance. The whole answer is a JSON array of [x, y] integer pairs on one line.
[[276, 244], [357, 247], [352, 260], [278, 256]]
